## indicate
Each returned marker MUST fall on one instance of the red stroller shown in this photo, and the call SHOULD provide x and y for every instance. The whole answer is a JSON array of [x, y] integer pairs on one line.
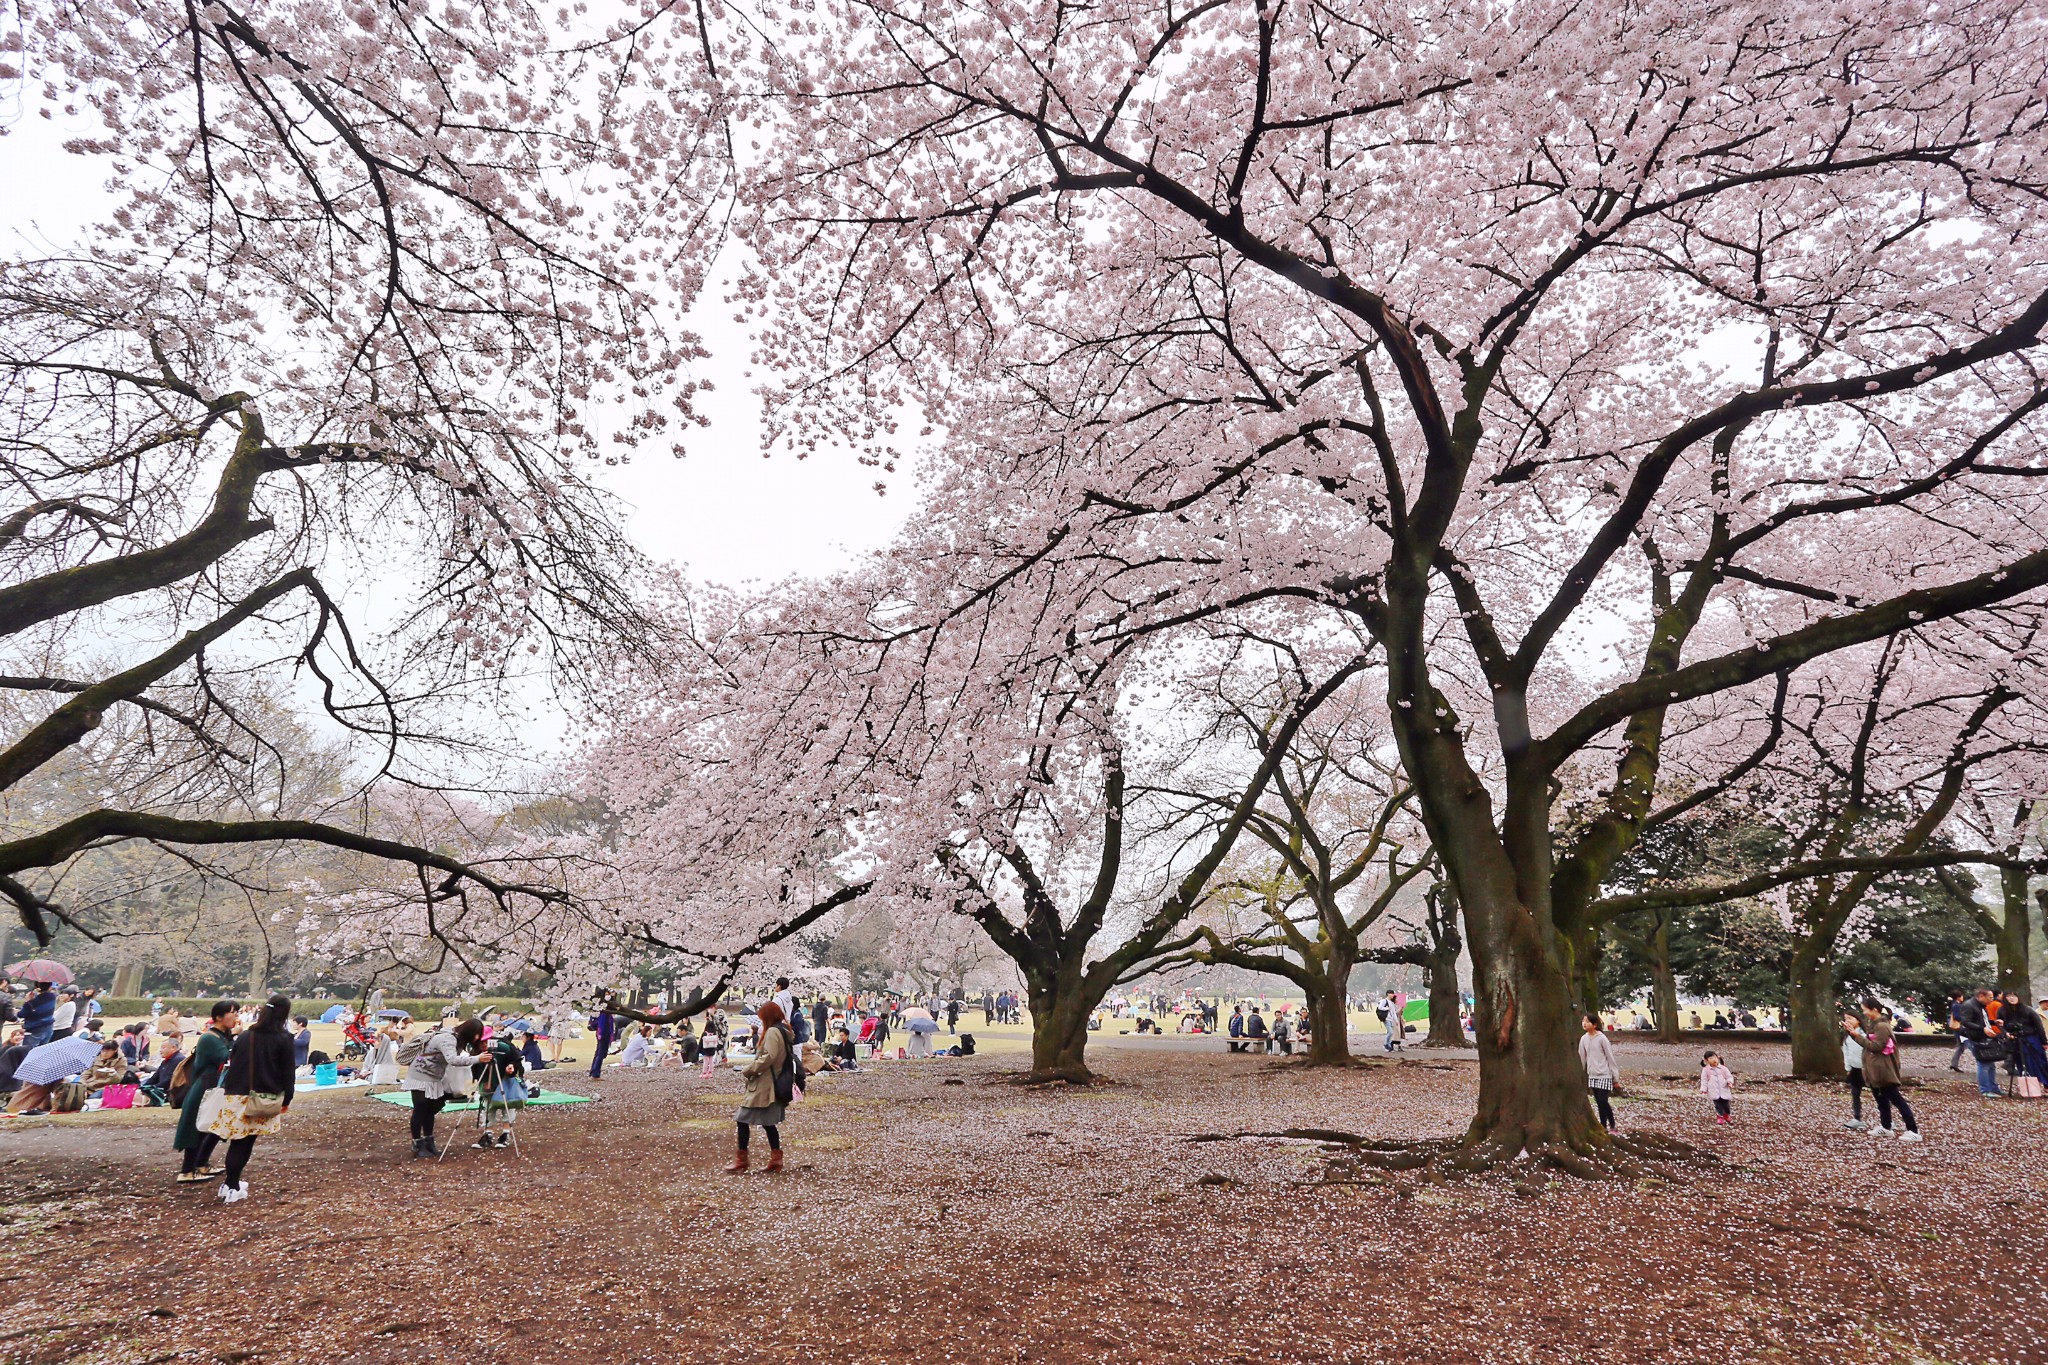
[[357, 1038]]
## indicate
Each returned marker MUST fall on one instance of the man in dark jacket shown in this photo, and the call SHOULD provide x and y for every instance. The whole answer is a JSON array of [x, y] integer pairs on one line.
[[1255, 1031], [1973, 1016]]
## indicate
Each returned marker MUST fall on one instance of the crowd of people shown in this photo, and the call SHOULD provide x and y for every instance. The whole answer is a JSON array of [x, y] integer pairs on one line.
[[233, 1076]]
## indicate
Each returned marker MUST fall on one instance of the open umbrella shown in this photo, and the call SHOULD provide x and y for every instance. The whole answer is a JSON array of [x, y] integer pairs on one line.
[[334, 1014], [393, 1014], [921, 1023], [41, 969], [54, 1061]]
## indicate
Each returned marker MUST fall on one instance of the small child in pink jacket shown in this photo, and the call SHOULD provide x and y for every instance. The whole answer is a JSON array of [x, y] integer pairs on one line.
[[1717, 1083]]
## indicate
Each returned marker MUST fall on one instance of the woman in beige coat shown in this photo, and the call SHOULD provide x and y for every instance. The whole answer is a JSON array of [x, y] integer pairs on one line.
[[763, 1107]]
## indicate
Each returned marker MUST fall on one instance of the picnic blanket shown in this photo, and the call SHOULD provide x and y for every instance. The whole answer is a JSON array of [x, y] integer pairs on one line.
[[404, 1097]]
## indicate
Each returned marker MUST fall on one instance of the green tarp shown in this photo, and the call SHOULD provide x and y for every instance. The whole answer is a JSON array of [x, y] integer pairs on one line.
[[404, 1097]]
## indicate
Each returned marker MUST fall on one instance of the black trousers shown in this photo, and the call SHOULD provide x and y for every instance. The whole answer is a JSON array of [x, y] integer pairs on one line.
[[424, 1112], [195, 1157], [238, 1160], [1600, 1103], [1889, 1098], [774, 1136], [1856, 1093]]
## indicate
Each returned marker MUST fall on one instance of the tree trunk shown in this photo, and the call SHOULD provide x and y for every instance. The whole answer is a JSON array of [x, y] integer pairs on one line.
[[1586, 946], [1329, 1041], [1810, 1018], [1441, 973], [1059, 1026], [1532, 1090], [2013, 943], [127, 980], [1663, 981]]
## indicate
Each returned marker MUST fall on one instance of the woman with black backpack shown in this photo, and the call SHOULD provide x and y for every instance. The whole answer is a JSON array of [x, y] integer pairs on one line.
[[771, 1084]]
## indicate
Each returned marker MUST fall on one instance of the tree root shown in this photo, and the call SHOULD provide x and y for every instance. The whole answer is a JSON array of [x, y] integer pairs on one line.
[[1637, 1156]]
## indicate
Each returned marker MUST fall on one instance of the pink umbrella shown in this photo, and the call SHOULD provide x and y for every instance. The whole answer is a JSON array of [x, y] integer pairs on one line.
[[40, 969]]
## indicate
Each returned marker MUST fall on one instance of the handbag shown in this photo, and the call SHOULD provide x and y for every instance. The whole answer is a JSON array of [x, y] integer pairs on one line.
[[117, 1097], [262, 1106], [1996, 1048], [2030, 1089], [209, 1108]]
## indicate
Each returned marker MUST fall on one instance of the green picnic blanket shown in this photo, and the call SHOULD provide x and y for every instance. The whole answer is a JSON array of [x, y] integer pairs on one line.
[[404, 1097]]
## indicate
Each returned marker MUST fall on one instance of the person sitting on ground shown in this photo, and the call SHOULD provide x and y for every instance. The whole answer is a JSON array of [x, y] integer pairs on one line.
[[170, 1052], [637, 1045], [109, 1068], [840, 1055], [529, 1052], [15, 1048], [134, 1044]]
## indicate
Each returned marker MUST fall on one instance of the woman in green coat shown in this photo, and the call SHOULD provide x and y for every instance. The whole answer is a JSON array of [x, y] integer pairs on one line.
[[209, 1054]]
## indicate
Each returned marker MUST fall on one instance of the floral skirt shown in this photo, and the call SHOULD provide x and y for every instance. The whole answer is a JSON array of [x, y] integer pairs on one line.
[[234, 1122]]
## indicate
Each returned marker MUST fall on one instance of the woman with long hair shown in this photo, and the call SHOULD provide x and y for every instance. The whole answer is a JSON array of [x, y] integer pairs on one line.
[[256, 1089], [437, 1072]]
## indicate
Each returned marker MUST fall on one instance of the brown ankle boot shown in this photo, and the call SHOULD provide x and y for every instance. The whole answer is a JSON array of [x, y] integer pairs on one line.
[[774, 1160], [739, 1163]]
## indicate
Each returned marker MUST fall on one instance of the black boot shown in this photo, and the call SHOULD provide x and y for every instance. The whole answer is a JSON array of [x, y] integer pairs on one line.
[[419, 1148], [427, 1147]]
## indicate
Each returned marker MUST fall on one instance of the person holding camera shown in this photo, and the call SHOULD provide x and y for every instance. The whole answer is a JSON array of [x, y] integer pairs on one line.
[[437, 1069]]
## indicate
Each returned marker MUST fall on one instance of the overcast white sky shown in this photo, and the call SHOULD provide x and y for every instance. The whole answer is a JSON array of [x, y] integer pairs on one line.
[[725, 512]]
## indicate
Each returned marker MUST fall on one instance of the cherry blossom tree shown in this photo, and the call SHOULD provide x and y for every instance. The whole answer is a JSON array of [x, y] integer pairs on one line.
[[1489, 329], [1330, 850], [1880, 745], [2000, 814], [376, 287]]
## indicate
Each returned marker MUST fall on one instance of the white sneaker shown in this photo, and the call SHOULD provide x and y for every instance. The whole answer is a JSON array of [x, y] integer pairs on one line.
[[1909, 1137], [1881, 1132], [1854, 1125], [236, 1195]]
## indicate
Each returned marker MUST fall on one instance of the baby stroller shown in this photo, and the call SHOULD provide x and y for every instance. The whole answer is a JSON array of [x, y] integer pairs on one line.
[[356, 1038]]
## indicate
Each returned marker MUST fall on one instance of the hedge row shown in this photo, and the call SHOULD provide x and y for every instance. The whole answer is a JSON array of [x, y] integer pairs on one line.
[[138, 1007]]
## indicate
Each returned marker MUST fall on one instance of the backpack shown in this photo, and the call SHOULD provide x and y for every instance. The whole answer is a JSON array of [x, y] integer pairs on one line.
[[432, 1062], [785, 1075], [181, 1079]]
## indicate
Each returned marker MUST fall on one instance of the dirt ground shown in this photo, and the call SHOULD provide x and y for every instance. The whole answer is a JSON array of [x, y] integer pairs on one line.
[[936, 1212]]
